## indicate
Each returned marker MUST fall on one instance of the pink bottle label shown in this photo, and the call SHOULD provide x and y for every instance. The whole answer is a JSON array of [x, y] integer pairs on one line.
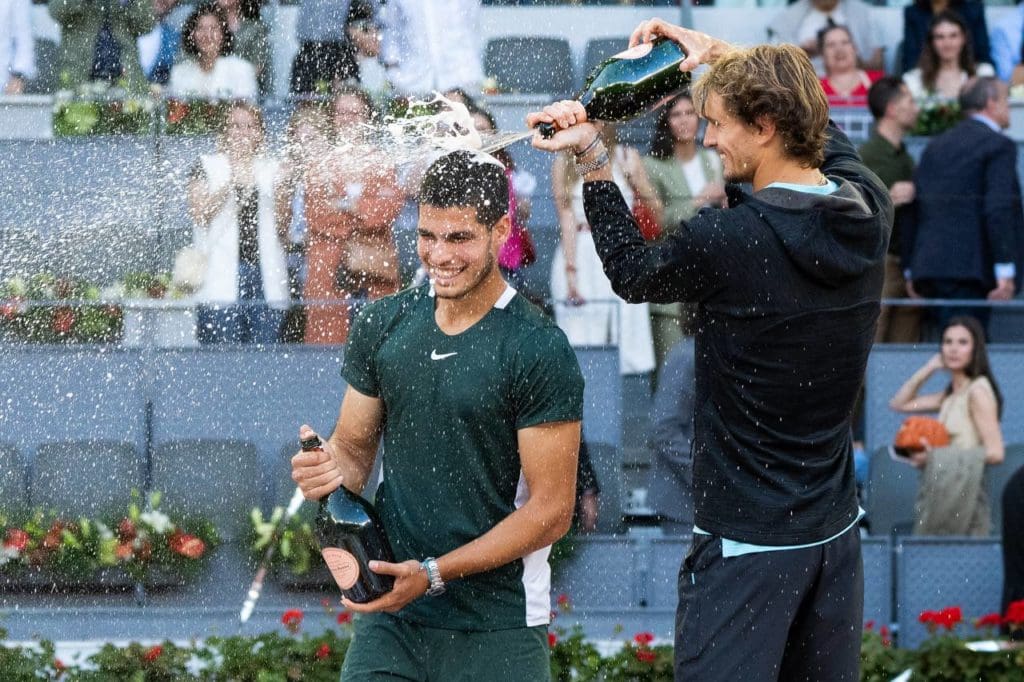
[[635, 52], [343, 565]]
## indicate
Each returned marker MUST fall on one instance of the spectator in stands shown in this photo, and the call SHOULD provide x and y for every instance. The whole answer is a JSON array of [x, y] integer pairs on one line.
[[231, 196], [430, 45], [686, 178], [800, 23], [250, 37], [588, 492], [947, 61], [919, 17], [1013, 543], [210, 70], [17, 45], [670, 491], [518, 251], [895, 113], [963, 242], [586, 308], [97, 41], [307, 143], [352, 200], [1007, 43], [845, 83], [330, 34], [952, 498], [158, 49]]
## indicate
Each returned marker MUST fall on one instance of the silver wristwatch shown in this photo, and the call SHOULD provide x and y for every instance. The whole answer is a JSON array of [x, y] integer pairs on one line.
[[434, 576]]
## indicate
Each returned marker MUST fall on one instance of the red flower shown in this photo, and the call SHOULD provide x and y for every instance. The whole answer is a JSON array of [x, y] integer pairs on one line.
[[552, 640], [870, 625], [344, 618], [643, 638], [949, 617], [152, 653], [63, 320], [10, 308], [563, 601], [126, 530], [646, 655], [123, 551], [323, 652], [176, 111], [17, 539], [1015, 613], [884, 632], [989, 620], [58, 665], [292, 620], [187, 545]]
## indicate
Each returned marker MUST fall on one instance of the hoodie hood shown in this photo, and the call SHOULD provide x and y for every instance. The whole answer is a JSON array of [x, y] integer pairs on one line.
[[831, 238]]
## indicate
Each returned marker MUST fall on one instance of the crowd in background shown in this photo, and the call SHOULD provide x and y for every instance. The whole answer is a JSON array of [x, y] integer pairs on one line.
[[298, 236]]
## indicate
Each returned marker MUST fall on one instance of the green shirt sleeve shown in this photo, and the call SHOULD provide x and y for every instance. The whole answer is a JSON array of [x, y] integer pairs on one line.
[[548, 383], [359, 368]]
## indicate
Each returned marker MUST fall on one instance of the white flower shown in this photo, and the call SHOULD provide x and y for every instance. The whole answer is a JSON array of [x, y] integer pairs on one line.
[[158, 521], [113, 292], [8, 554], [104, 532]]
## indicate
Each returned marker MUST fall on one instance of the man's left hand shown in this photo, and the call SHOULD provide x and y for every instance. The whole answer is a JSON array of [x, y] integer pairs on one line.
[[1003, 292], [570, 118], [411, 583]]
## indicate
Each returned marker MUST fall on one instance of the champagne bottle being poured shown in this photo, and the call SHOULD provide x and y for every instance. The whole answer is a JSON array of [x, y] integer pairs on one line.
[[631, 83]]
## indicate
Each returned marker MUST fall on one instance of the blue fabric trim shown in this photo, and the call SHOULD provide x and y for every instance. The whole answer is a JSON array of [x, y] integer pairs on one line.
[[732, 548], [827, 188]]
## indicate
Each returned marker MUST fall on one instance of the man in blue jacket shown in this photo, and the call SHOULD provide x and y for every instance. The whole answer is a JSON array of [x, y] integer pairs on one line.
[[963, 243], [787, 282]]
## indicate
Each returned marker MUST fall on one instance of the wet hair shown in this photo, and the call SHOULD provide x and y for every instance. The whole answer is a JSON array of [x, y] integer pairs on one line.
[[465, 179], [979, 365], [929, 59], [662, 141], [977, 93], [774, 82], [882, 93], [188, 42]]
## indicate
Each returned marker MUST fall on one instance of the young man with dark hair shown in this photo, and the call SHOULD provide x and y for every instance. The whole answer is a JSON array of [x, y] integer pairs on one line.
[[895, 113], [787, 283], [478, 398]]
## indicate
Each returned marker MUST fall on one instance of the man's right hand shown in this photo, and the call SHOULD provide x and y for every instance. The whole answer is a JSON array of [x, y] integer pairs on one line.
[[315, 471], [1004, 290], [901, 192]]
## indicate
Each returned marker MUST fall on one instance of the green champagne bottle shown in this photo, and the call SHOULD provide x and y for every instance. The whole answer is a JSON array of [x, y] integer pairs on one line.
[[632, 83]]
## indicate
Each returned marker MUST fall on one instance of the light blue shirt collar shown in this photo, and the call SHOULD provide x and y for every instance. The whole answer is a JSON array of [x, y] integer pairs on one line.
[[982, 118]]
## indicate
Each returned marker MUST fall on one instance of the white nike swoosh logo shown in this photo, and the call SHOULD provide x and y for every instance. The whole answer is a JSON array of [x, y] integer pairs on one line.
[[434, 355]]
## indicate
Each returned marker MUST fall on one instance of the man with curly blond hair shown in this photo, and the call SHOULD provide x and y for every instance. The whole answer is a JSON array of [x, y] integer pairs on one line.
[[787, 281]]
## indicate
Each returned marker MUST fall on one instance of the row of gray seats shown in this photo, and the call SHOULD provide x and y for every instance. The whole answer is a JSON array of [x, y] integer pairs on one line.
[[520, 64], [892, 489], [219, 480]]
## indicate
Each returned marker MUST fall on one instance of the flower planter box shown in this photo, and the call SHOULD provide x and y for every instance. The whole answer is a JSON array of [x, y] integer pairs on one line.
[[151, 323], [106, 579]]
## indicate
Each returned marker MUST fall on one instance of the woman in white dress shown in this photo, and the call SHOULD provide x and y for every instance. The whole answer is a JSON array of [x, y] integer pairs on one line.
[[209, 70], [586, 307], [947, 61]]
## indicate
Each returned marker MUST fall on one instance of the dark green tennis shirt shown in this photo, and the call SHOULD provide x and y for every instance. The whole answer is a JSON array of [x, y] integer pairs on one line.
[[451, 469], [891, 165]]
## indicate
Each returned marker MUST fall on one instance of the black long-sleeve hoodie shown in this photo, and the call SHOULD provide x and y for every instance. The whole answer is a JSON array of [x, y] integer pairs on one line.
[[788, 285]]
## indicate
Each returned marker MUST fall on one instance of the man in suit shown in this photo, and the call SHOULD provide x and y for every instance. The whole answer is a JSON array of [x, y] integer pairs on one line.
[[964, 242]]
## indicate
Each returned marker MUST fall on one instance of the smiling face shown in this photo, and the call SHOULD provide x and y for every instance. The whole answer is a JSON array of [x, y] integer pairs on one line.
[[838, 52], [243, 132], [957, 348], [459, 253], [733, 139], [948, 40], [683, 120]]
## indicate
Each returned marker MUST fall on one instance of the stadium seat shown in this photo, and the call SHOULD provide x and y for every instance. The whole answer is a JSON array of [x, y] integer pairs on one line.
[[13, 491], [217, 480], [891, 490], [46, 80], [530, 64], [91, 478], [995, 481]]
